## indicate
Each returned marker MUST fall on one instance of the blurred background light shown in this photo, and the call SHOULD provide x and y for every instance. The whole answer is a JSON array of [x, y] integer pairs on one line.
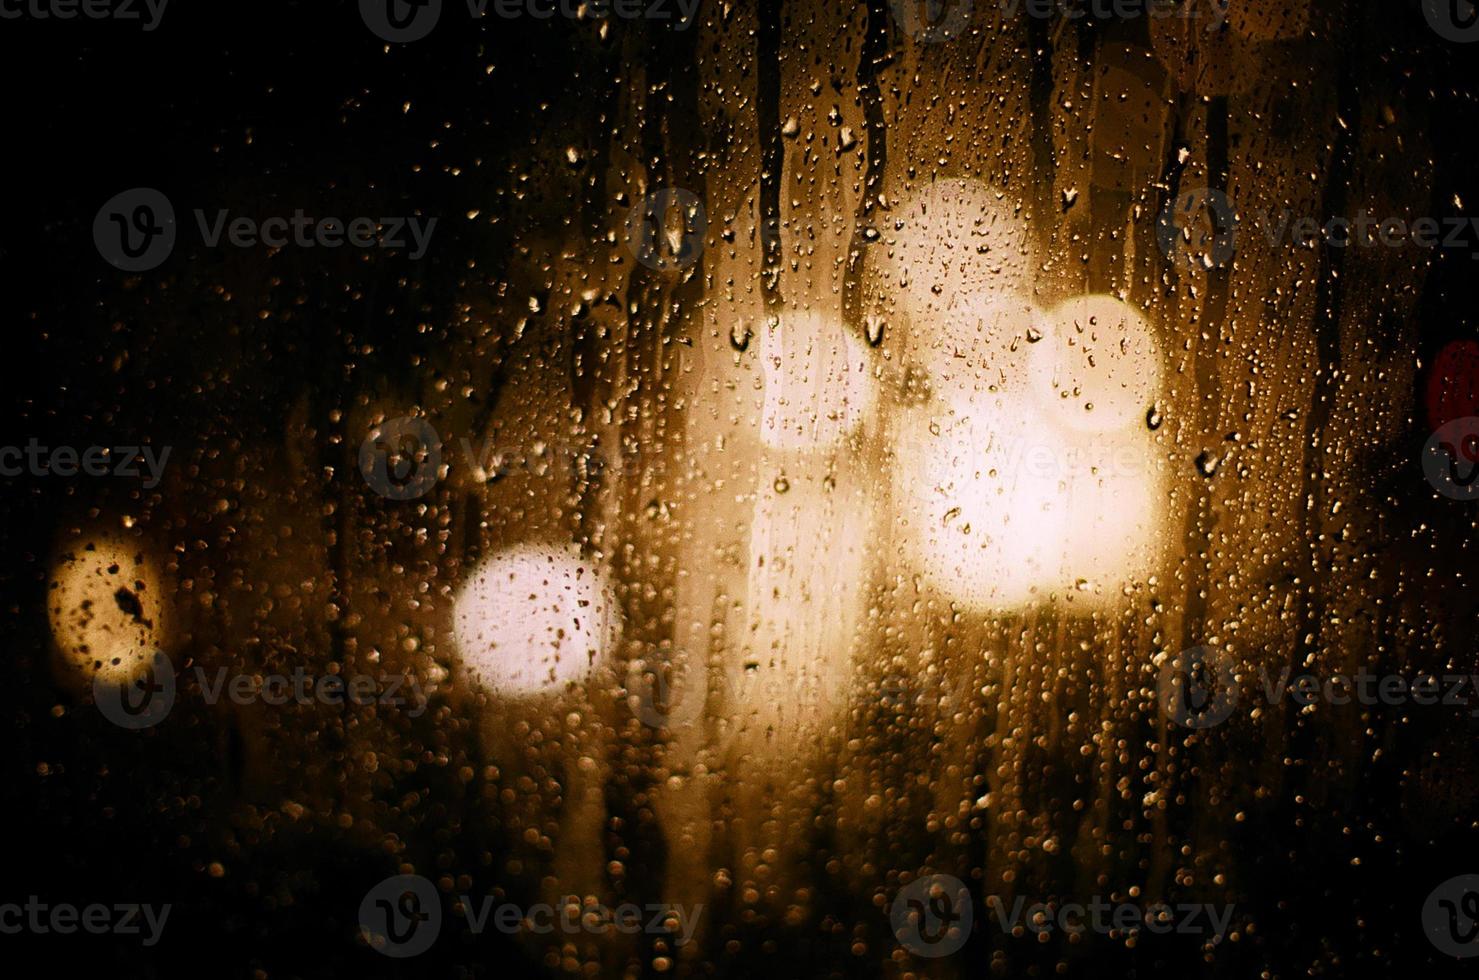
[[533, 619]]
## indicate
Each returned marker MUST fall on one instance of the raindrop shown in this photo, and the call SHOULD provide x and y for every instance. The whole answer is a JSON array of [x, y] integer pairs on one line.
[[740, 336]]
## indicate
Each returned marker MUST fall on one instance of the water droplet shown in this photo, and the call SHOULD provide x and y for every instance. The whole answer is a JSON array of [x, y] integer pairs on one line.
[[1153, 418], [739, 337]]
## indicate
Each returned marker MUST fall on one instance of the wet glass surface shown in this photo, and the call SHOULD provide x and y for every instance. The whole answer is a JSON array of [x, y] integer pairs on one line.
[[722, 490]]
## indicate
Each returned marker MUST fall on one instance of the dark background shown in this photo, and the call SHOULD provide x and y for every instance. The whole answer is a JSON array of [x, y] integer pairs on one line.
[[267, 107]]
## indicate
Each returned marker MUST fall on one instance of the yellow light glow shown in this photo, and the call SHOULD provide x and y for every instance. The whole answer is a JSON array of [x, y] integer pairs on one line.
[[533, 619], [104, 602], [1025, 471], [1098, 368], [818, 388]]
